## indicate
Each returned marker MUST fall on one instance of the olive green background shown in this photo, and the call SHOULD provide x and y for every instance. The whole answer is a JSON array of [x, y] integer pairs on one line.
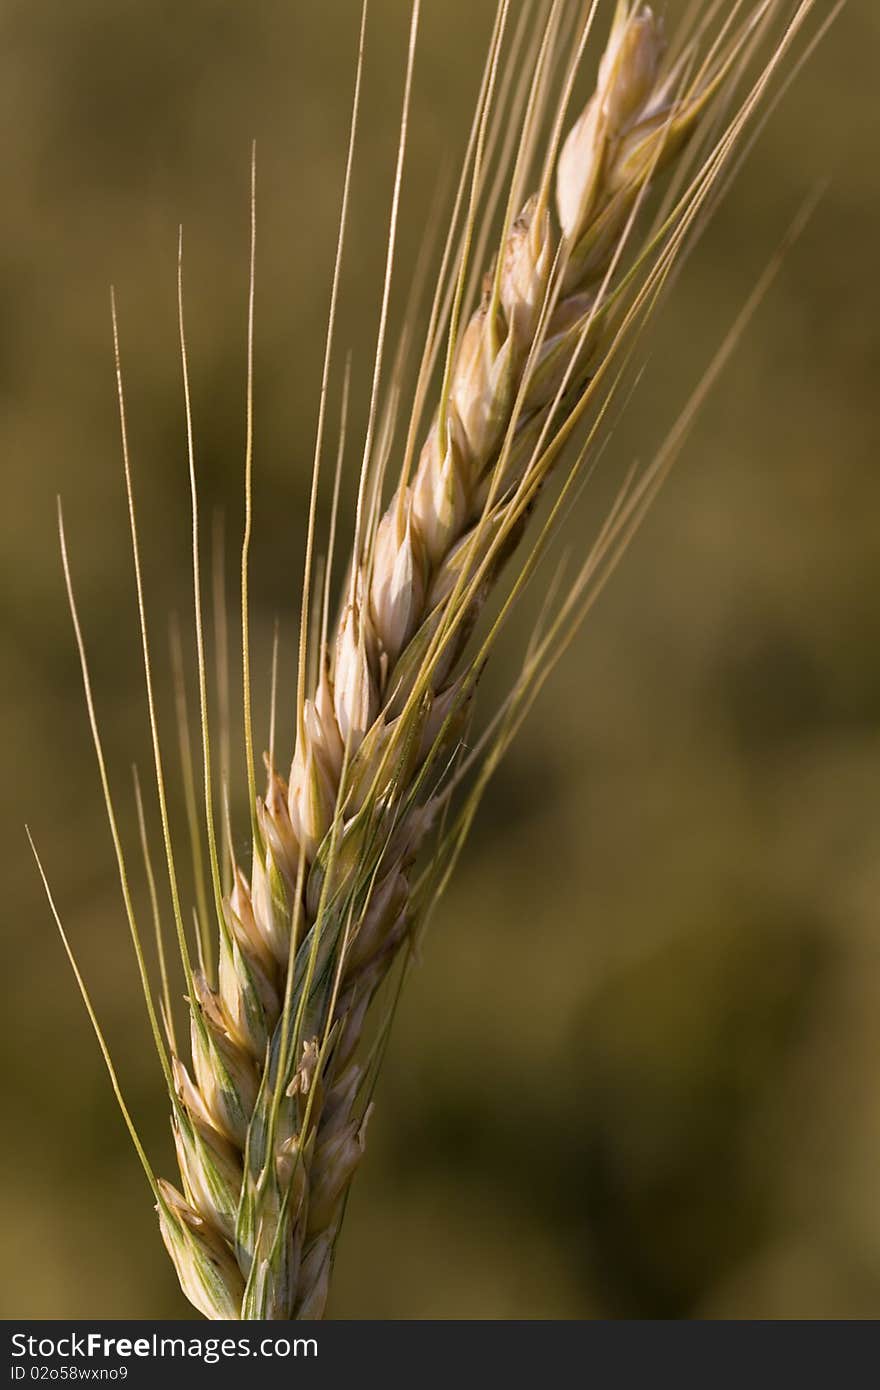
[[638, 1071]]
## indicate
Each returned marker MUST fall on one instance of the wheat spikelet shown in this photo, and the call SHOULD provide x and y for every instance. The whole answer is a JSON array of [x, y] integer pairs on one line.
[[269, 1113]]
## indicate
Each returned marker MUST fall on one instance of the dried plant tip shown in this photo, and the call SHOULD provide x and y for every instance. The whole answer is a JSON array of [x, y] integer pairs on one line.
[[269, 905], [399, 578], [440, 498], [525, 272], [629, 67], [311, 796], [483, 384], [355, 686], [276, 827], [627, 75]]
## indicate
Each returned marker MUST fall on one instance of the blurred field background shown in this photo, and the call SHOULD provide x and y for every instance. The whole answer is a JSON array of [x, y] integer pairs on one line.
[[637, 1073]]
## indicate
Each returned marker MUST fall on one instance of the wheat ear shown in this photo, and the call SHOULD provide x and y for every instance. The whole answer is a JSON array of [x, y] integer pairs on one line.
[[269, 1114], [269, 1120]]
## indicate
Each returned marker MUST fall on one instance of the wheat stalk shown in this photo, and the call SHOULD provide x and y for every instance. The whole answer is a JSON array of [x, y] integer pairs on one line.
[[269, 1115]]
